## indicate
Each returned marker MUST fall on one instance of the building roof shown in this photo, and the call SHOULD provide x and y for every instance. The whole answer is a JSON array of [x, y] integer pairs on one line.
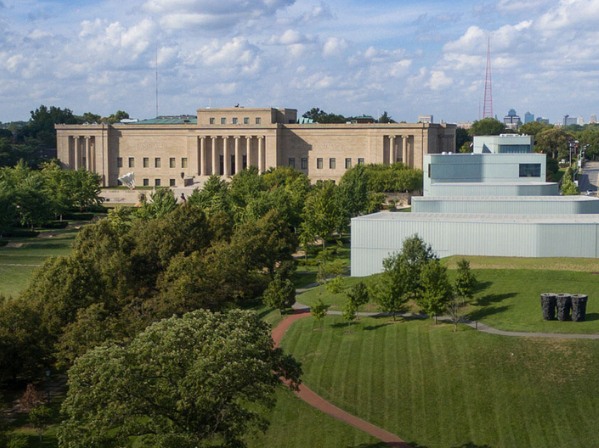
[[573, 198], [166, 120], [482, 218]]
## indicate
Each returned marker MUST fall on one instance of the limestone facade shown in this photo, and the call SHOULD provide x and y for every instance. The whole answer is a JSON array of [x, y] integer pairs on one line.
[[225, 141]]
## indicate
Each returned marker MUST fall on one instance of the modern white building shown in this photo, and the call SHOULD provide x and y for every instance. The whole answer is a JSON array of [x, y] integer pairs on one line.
[[493, 202], [380, 235]]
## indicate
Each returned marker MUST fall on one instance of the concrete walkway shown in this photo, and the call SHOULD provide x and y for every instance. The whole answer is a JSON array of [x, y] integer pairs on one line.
[[306, 394]]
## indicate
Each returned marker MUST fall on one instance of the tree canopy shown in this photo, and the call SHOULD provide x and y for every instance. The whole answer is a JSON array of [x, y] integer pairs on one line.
[[198, 380], [487, 126]]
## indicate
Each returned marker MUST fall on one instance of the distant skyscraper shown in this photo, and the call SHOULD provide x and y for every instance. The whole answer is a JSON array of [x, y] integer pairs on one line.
[[565, 121], [528, 117], [580, 120], [593, 119], [542, 120], [512, 120], [571, 120]]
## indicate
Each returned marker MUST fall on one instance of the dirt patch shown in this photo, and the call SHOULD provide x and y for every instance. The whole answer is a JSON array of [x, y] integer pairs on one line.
[[14, 245], [46, 235]]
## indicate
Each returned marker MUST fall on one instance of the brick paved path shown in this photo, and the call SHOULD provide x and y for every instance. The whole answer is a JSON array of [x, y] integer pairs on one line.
[[321, 404]]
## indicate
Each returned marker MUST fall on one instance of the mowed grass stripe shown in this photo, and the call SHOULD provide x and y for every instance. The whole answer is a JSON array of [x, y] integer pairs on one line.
[[441, 389]]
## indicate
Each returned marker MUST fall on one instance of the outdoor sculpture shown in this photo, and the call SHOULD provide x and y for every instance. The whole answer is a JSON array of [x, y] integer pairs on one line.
[[128, 180]]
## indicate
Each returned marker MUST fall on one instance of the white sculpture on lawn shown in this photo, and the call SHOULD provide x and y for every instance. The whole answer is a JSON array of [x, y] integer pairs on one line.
[[128, 180]]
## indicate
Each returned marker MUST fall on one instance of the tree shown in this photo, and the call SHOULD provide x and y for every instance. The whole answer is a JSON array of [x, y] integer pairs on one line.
[[487, 126], [461, 137], [455, 311], [90, 118], [533, 128], [349, 313], [39, 417], [40, 127], [437, 291], [117, 117], [85, 188], [416, 254], [569, 188], [553, 141], [161, 203], [318, 311], [320, 116], [335, 286], [465, 280], [321, 211], [199, 380], [385, 118], [280, 294], [392, 293], [358, 294]]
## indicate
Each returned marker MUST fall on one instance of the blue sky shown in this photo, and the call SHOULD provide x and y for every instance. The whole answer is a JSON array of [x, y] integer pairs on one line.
[[349, 57]]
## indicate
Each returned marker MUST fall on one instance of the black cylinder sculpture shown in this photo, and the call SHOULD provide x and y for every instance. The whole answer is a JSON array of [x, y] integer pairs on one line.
[[579, 307], [548, 303], [564, 303]]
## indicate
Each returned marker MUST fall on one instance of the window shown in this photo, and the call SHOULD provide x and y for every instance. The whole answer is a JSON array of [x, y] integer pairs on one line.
[[119, 162], [184, 162], [212, 120], [319, 163], [304, 163], [223, 121], [157, 182], [246, 120], [171, 162], [173, 183], [347, 164], [360, 161], [146, 162], [292, 162], [332, 164], [234, 120], [530, 170], [146, 182], [258, 120], [131, 162], [429, 170], [157, 162]]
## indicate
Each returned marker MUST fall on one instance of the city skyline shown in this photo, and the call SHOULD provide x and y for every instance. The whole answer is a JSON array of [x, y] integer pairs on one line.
[[345, 57]]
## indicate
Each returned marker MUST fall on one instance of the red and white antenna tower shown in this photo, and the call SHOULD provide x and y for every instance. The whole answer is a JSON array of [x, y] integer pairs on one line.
[[488, 102]]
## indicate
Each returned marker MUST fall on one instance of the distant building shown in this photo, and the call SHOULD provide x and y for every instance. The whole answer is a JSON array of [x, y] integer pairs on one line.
[[528, 117], [503, 144], [593, 119], [363, 119], [512, 120], [543, 120], [568, 120], [464, 124], [425, 118], [580, 121]]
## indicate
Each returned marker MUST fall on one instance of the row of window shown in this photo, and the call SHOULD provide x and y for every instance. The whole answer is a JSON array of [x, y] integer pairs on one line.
[[235, 120], [320, 163], [157, 183], [172, 162]]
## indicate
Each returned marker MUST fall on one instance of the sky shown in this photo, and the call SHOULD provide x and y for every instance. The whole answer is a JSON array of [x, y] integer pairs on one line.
[[348, 57]]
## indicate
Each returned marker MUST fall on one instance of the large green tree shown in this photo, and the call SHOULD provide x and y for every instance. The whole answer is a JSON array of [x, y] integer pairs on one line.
[[487, 126], [436, 288], [322, 211], [199, 380], [554, 141]]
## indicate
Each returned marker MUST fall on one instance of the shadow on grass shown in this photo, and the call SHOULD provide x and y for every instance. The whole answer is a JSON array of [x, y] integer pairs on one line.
[[482, 286], [375, 327], [490, 299], [370, 445], [486, 312], [465, 445], [592, 317]]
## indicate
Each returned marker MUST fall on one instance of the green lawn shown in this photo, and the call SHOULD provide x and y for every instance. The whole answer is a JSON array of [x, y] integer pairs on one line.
[[297, 424], [18, 263], [552, 264], [507, 299], [439, 389]]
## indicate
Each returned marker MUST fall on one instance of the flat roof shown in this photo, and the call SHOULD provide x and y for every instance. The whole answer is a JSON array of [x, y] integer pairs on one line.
[[480, 217], [573, 198], [490, 184]]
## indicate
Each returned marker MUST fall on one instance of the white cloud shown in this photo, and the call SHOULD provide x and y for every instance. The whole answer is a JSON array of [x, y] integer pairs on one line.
[[235, 53], [334, 46], [439, 80]]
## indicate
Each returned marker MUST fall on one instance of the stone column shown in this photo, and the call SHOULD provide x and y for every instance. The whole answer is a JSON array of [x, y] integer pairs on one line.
[[77, 159], [214, 156], [248, 139], [404, 150], [202, 163], [226, 161], [88, 152], [392, 154], [92, 151], [238, 158], [260, 154]]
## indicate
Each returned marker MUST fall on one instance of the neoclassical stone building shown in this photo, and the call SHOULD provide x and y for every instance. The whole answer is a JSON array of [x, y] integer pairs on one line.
[[162, 152]]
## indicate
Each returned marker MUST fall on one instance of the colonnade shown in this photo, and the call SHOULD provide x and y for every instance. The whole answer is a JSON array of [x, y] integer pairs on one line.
[[240, 149], [394, 149], [82, 152]]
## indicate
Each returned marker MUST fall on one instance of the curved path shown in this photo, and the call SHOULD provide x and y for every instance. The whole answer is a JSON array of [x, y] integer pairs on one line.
[[321, 404]]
